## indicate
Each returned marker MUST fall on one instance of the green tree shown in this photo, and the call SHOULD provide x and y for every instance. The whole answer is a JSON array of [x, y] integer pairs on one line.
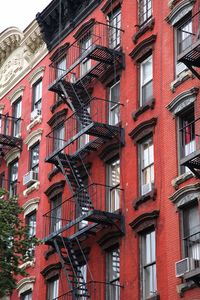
[[15, 243]]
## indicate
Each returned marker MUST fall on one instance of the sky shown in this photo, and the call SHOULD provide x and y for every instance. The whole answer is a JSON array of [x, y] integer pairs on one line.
[[19, 13]]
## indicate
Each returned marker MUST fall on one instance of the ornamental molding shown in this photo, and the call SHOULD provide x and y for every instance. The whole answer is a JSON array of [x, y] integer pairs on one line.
[[30, 206], [25, 284], [32, 188], [186, 194], [37, 120], [145, 221], [20, 52], [179, 11], [12, 155], [36, 75], [143, 48], [183, 100], [33, 137], [143, 130], [16, 94]]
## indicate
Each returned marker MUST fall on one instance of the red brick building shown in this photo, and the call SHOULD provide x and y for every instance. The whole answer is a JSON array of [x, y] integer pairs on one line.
[[99, 135]]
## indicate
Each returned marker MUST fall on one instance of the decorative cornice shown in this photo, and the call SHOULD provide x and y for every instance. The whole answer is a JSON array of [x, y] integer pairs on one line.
[[186, 194], [144, 221], [179, 11], [55, 189], [36, 74], [33, 137], [183, 100], [25, 284], [143, 48], [58, 117], [16, 94], [12, 155], [143, 129], [30, 205]]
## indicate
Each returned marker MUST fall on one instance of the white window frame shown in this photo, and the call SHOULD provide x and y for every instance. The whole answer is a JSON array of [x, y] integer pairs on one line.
[[148, 264], [26, 296], [145, 81], [13, 178], [56, 213], [86, 64], [58, 137], [114, 105], [61, 67], [113, 201], [52, 289], [37, 96], [17, 113], [146, 164], [114, 21], [145, 11]]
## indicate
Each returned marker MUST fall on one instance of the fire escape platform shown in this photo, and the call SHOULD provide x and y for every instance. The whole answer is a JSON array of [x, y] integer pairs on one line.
[[192, 161], [104, 56], [96, 216], [9, 142]]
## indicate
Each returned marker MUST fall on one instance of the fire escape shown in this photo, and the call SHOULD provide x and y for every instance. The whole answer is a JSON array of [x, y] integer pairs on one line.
[[190, 56], [9, 139], [96, 53]]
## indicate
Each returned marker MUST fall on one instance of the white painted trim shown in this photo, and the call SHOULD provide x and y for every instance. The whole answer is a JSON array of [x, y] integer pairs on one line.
[[16, 94], [32, 188], [12, 155], [33, 137], [25, 284], [36, 75], [30, 206]]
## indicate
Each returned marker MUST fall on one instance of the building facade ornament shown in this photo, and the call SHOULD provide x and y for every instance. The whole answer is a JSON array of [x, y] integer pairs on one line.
[[33, 137], [16, 94], [179, 11], [30, 206], [37, 120], [12, 155], [182, 100], [25, 284], [30, 189], [186, 194], [37, 74]]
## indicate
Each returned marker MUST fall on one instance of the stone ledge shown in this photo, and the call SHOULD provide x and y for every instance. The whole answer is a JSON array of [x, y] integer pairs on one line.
[[37, 120], [32, 188], [180, 179]]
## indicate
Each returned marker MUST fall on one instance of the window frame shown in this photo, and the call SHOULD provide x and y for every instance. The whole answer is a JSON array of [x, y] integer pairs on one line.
[[143, 101], [113, 287], [17, 113], [51, 293], [85, 43], [56, 213], [24, 295], [147, 140], [58, 136], [34, 167], [114, 21], [37, 102], [31, 228], [114, 111], [144, 266], [143, 11], [113, 202], [13, 190]]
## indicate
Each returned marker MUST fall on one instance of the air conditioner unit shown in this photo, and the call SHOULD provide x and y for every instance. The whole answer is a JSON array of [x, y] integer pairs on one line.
[[30, 178], [35, 113], [146, 188], [184, 265]]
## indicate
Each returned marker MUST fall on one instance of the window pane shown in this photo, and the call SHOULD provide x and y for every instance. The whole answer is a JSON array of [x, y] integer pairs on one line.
[[31, 222], [146, 83], [56, 213], [61, 67], [52, 291], [113, 274], [114, 32]]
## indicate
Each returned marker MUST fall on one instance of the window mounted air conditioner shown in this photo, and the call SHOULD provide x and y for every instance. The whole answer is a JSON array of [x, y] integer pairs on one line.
[[30, 178], [146, 188], [35, 113], [184, 265]]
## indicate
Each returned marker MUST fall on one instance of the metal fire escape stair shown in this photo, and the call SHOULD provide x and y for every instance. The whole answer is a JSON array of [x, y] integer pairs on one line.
[[71, 267]]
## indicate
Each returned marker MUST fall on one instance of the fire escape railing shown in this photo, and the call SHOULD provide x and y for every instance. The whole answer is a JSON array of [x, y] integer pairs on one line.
[[192, 248], [100, 125], [97, 290], [103, 46], [71, 212], [189, 45], [190, 146], [9, 133]]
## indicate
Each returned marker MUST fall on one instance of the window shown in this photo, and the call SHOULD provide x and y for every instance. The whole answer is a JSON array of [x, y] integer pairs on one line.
[[84, 138], [56, 209], [113, 274], [187, 134], [82, 291], [37, 97], [113, 175], [26, 296], [85, 44], [58, 136], [60, 67], [145, 11], [34, 158], [147, 166], [114, 20], [31, 223], [148, 264], [52, 289], [191, 233], [146, 81], [13, 177], [114, 112], [17, 111]]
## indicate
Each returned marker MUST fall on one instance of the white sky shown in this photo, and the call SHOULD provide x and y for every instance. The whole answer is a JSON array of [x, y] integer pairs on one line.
[[19, 13]]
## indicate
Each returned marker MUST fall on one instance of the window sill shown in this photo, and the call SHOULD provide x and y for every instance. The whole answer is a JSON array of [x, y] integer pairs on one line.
[[182, 77], [149, 25], [180, 179], [142, 199], [37, 120], [27, 264], [32, 188], [184, 287], [149, 105]]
